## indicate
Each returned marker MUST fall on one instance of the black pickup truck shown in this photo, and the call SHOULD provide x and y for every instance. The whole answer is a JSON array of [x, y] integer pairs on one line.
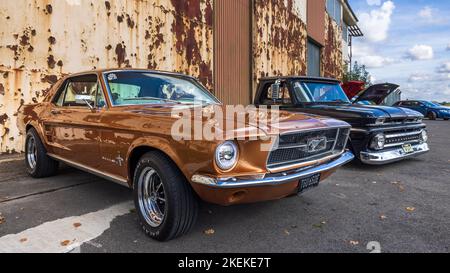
[[380, 134]]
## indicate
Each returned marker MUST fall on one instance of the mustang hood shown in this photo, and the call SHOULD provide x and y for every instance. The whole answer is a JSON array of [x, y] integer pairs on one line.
[[248, 122]]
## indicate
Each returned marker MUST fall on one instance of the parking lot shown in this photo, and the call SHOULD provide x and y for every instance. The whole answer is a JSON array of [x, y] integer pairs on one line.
[[403, 207]]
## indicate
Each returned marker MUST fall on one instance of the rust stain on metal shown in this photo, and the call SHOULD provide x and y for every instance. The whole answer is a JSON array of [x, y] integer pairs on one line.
[[280, 36], [332, 62], [168, 35]]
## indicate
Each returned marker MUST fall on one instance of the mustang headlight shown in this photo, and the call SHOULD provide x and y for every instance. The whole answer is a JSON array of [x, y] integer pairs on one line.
[[424, 136], [227, 155], [378, 142]]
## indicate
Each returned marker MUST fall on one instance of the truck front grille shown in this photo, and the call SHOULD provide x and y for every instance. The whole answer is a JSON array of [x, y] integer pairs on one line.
[[398, 138]]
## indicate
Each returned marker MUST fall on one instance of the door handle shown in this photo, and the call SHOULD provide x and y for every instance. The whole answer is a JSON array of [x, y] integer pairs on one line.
[[55, 112]]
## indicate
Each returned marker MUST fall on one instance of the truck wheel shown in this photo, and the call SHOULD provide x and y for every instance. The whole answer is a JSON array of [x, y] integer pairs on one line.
[[39, 164], [432, 115], [164, 200]]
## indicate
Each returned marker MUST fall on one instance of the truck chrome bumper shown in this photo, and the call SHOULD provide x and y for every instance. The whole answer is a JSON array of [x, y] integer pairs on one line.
[[273, 179], [380, 158]]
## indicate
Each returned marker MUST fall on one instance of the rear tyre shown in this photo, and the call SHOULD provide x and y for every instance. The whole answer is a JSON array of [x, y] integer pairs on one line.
[[39, 164], [432, 115], [164, 200]]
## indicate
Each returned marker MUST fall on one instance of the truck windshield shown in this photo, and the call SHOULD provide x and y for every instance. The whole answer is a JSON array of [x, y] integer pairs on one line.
[[316, 92], [137, 88]]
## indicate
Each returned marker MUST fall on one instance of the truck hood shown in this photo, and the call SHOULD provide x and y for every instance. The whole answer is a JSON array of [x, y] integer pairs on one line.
[[250, 123], [345, 111], [377, 93]]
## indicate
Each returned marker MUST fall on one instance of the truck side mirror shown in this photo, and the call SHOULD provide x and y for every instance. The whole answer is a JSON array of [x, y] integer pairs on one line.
[[276, 87]]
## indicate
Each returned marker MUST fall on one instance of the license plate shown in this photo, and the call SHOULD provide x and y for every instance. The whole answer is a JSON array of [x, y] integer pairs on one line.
[[408, 148], [309, 183]]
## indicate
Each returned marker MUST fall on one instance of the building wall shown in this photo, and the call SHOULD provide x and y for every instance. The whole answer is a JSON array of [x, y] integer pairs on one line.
[[332, 62], [57, 37], [279, 38], [316, 21]]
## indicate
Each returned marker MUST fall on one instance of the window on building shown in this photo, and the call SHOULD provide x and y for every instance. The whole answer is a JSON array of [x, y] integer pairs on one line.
[[345, 32], [313, 59], [334, 9]]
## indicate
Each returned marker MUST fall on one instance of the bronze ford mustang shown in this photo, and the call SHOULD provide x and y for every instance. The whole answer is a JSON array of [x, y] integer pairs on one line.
[[119, 125]]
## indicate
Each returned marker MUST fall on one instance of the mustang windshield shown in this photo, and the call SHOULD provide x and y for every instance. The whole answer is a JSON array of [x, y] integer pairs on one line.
[[136, 88], [315, 92]]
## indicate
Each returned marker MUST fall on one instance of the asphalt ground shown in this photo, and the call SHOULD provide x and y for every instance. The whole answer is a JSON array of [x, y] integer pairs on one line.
[[402, 207]]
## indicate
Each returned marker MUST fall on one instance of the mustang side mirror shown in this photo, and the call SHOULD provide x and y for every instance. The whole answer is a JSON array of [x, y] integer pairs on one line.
[[276, 87], [85, 99]]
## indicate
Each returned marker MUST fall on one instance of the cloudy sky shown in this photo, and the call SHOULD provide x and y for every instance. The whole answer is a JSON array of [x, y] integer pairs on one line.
[[406, 42]]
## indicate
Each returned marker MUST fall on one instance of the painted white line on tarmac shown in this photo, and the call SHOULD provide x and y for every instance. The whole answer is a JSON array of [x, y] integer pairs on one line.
[[63, 235], [12, 160]]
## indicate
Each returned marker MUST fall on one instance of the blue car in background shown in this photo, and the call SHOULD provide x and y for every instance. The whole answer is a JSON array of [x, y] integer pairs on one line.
[[429, 109]]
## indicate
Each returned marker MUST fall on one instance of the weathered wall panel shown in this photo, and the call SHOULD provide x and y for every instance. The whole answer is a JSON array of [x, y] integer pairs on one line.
[[316, 21], [332, 62], [232, 60], [56, 37], [279, 38]]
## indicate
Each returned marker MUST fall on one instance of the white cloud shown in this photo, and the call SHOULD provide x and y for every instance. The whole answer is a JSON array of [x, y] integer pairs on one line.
[[417, 77], [448, 47], [432, 16], [444, 68], [365, 55], [376, 24], [426, 13], [420, 52], [373, 2]]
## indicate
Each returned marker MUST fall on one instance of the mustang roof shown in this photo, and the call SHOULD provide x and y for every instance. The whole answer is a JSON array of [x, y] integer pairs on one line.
[[97, 71]]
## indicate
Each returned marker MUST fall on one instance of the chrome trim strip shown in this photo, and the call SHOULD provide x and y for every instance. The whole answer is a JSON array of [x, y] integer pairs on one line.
[[380, 158], [107, 176], [404, 134], [273, 180], [314, 130]]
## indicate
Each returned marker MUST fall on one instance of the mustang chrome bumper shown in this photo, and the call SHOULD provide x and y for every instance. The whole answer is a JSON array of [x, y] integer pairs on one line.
[[385, 157], [273, 179]]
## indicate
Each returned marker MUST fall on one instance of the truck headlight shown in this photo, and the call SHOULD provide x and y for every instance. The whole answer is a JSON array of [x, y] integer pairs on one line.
[[378, 142], [380, 121], [226, 155], [424, 136]]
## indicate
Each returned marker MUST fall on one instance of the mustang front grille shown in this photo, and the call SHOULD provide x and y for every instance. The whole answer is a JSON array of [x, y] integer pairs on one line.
[[308, 146]]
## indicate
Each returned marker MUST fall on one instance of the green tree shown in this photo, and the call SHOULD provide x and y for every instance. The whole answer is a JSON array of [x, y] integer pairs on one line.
[[357, 73]]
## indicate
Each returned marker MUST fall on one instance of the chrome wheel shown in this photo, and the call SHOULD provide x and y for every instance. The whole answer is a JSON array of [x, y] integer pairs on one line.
[[152, 197], [31, 153]]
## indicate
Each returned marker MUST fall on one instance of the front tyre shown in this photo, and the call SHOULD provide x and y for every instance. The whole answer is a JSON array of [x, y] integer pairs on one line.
[[39, 164], [164, 200]]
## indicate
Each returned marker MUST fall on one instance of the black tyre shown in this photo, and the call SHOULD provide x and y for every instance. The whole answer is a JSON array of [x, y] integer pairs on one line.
[[446, 119], [432, 115], [39, 164], [164, 200]]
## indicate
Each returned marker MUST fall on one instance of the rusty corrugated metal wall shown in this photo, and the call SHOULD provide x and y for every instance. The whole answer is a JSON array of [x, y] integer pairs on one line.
[[58, 37], [332, 62], [279, 38], [316, 21], [40, 40], [232, 51]]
